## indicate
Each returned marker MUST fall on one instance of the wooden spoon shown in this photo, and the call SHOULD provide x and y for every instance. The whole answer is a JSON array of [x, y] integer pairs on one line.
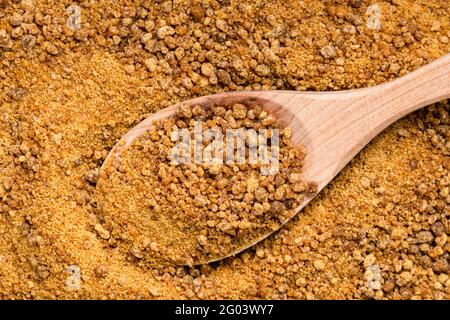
[[333, 126]]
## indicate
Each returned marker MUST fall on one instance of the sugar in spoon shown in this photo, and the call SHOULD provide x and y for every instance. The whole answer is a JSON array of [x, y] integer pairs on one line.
[[333, 126]]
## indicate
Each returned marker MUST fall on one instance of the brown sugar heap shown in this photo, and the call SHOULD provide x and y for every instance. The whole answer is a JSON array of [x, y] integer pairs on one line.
[[189, 213], [67, 94]]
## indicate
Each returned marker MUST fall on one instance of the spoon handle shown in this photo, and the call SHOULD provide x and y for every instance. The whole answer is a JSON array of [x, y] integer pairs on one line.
[[425, 86], [335, 126]]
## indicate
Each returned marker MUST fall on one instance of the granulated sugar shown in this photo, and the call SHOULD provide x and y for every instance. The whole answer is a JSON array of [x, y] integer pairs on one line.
[[71, 87]]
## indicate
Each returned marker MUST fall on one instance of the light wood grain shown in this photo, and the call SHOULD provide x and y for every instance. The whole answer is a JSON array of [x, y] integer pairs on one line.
[[333, 126]]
